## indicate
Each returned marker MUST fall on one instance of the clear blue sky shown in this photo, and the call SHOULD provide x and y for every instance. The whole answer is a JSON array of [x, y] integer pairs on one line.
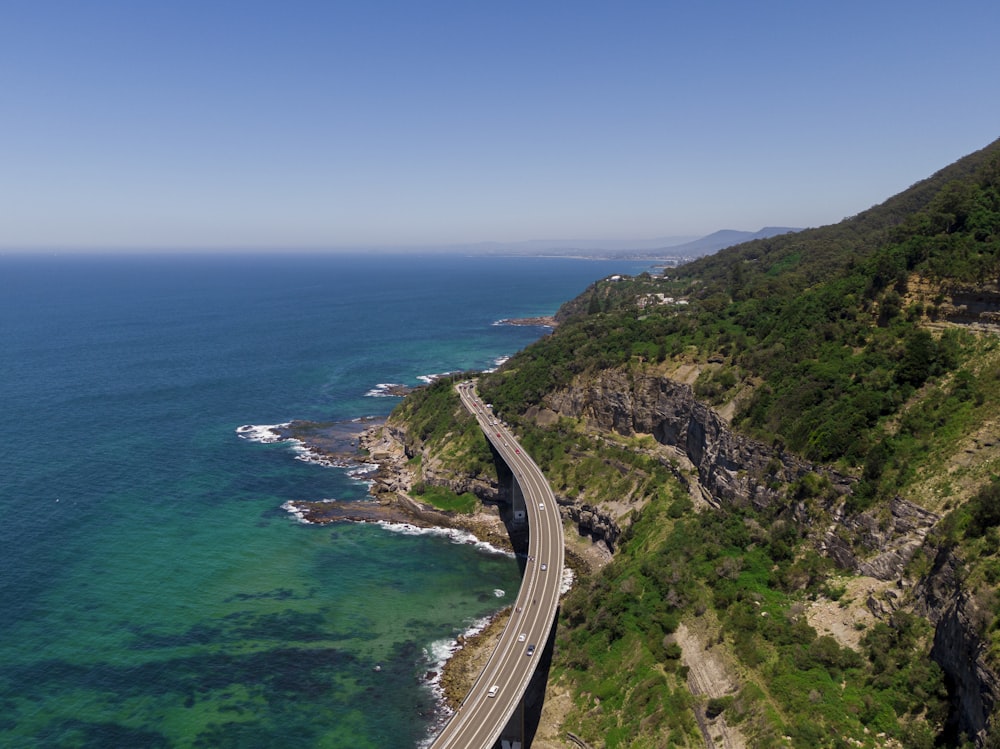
[[207, 123]]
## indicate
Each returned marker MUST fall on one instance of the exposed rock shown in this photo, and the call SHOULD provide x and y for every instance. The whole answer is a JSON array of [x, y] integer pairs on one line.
[[959, 647], [732, 468], [591, 521], [391, 447], [894, 537], [735, 470], [545, 321]]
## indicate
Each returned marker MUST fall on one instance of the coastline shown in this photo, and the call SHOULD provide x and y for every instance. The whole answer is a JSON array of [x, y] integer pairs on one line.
[[542, 321], [369, 449], [372, 449]]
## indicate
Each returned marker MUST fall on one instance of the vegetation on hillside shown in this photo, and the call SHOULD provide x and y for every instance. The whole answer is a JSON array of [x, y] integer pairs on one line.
[[438, 424], [740, 576], [835, 344], [816, 333]]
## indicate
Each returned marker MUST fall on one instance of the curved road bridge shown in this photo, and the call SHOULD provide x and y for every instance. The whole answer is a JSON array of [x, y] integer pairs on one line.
[[490, 714]]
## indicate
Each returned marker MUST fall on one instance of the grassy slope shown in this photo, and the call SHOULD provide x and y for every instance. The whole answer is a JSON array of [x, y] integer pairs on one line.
[[830, 343]]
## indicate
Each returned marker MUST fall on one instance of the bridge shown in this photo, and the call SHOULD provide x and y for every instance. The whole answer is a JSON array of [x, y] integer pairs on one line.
[[492, 713]]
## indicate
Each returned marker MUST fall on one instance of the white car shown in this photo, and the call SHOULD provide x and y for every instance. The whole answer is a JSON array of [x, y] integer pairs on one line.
[[493, 691], [541, 506], [522, 637]]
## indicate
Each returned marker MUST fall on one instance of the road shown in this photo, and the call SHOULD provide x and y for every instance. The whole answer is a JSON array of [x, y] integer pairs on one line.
[[481, 718]]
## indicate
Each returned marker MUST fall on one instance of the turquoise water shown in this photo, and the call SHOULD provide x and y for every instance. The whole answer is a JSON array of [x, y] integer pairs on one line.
[[153, 591]]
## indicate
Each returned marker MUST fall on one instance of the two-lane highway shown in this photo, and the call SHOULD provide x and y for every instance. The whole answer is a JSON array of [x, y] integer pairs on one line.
[[500, 687]]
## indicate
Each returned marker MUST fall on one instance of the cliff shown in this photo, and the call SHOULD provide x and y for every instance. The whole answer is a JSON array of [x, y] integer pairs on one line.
[[960, 618], [732, 469]]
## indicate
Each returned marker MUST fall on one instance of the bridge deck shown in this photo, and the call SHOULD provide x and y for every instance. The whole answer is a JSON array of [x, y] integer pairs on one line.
[[500, 687]]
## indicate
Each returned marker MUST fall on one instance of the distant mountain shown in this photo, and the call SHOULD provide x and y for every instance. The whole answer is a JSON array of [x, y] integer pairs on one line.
[[724, 238], [575, 246], [678, 246], [789, 445]]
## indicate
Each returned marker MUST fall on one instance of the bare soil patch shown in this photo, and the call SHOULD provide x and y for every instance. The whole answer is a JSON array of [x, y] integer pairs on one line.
[[709, 675], [847, 619]]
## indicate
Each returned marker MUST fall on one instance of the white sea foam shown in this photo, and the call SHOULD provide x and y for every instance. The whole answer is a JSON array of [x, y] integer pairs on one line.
[[290, 508], [309, 455], [439, 652], [360, 471], [497, 363], [266, 433], [431, 378], [383, 390], [456, 535], [269, 433]]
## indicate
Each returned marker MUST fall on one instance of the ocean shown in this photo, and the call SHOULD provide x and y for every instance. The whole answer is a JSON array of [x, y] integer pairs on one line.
[[153, 592]]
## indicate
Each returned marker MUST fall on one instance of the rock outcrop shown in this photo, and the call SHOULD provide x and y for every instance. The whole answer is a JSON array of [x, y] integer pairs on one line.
[[889, 538], [592, 521], [392, 447], [734, 470], [731, 469], [959, 618]]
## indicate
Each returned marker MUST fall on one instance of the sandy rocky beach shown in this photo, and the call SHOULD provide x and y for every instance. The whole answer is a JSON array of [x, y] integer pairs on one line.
[[373, 451], [370, 449]]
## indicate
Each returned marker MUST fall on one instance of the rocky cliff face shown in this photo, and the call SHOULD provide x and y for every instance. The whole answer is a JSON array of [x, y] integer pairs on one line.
[[600, 526], [880, 542], [734, 470], [959, 617], [731, 469]]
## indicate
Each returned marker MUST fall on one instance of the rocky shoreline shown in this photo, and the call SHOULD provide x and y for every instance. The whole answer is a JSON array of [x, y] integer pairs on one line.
[[545, 321], [376, 444], [380, 444]]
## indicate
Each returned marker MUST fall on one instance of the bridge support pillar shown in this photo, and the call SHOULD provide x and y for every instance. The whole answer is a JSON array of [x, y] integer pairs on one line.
[[512, 736], [517, 503]]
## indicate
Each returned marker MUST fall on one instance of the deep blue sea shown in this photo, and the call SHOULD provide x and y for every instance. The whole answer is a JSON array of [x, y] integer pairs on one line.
[[153, 593]]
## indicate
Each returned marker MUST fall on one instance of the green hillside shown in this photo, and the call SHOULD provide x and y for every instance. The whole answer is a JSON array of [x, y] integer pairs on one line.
[[859, 366]]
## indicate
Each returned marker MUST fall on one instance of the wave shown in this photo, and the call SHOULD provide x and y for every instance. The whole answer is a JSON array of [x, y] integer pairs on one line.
[[456, 535], [266, 433], [290, 508], [275, 433], [497, 363], [385, 390], [438, 653], [432, 378]]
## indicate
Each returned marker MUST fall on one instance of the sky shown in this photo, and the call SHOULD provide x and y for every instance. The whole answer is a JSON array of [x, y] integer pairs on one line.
[[324, 124]]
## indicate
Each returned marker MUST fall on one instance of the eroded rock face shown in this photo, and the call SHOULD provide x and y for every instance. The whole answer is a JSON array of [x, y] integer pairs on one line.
[[893, 536], [391, 447], [732, 468], [591, 521], [959, 617], [735, 470]]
